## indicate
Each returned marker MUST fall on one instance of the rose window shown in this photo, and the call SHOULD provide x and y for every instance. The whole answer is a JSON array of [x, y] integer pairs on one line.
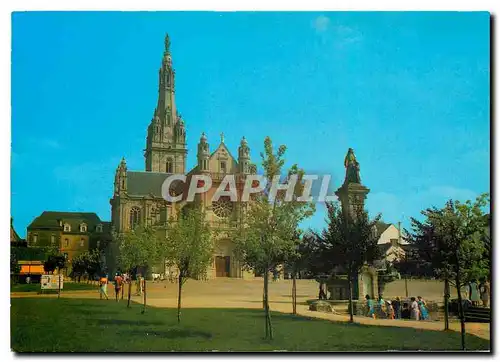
[[222, 207]]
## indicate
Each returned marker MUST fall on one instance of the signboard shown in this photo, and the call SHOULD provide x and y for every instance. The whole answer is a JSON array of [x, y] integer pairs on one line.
[[51, 282]]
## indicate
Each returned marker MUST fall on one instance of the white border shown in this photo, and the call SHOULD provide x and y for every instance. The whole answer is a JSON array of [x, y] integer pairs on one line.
[[214, 5]]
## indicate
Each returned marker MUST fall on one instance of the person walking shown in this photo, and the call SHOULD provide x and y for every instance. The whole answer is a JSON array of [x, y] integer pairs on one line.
[[118, 286], [381, 306], [424, 313], [484, 290], [415, 312], [103, 287], [396, 304], [370, 307], [474, 293], [138, 285]]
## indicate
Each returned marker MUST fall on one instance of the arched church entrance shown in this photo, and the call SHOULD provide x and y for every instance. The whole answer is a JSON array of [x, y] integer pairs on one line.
[[222, 266]]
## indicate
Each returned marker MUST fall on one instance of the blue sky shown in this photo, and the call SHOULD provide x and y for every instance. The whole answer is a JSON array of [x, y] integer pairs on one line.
[[408, 91]]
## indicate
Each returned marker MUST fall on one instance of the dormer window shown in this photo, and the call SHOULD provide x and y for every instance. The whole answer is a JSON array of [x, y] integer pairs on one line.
[[83, 228], [67, 227], [223, 166], [35, 238], [98, 228]]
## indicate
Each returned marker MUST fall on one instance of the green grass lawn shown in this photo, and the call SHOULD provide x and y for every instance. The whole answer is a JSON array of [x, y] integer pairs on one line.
[[85, 325], [35, 287]]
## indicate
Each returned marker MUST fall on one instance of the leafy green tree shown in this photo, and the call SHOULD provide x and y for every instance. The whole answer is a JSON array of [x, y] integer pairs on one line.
[[138, 248], [15, 268], [188, 246], [267, 236], [78, 266], [451, 241], [349, 242]]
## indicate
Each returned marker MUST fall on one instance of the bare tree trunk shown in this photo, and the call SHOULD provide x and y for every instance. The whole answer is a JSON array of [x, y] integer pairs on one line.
[[268, 311], [179, 299], [59, 281], [446, 304], [460, 305], [460, 311], [294, 293], [351, 311], [144, 308], [406, 285], [269, 327], [129, 292], [265, 303]]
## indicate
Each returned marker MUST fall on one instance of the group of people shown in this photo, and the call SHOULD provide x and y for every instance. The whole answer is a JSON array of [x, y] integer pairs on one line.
[[119, 282], [396, 309], [477, 293]]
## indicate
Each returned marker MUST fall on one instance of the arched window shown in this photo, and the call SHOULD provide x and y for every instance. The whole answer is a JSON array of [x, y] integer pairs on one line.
[[170, 166], [135, 217], [83, 228], [98, 228], [67, 227]]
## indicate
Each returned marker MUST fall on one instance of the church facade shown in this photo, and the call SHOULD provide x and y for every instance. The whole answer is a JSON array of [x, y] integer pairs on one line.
[[137, 197]]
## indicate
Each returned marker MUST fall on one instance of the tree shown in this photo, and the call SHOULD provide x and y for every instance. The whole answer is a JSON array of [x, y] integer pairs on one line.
[[349, 242], [15, 268], [267, 236], [451, 242], [78, 266], [188, 246], [303, 260], [138, 248], [93, 265]]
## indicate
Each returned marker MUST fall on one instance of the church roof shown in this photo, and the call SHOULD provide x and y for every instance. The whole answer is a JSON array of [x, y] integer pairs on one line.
[[144, 183], [50, 220], [381, 227]]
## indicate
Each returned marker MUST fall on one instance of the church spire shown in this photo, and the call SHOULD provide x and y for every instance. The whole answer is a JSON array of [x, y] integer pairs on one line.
[[166, 140], [167, 44]]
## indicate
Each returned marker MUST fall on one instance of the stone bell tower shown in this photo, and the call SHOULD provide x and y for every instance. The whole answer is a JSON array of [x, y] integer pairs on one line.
[[352, 193], [166, 147]]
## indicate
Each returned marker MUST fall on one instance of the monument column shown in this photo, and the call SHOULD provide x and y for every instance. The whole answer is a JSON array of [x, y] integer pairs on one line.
[[352, 195]]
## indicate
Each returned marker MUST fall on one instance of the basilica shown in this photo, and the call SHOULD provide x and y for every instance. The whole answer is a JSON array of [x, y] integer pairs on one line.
[[137, 197]]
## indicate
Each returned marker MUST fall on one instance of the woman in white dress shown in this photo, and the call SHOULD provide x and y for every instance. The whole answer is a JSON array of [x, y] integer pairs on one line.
[[415, 311]]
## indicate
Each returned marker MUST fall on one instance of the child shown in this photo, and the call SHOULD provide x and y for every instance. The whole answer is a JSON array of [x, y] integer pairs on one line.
[[103, 289]]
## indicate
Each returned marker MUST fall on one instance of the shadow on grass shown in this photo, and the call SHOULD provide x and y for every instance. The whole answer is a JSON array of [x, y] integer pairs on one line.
[[170, 334], [273, 301], [93, 311], [110, 322]]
